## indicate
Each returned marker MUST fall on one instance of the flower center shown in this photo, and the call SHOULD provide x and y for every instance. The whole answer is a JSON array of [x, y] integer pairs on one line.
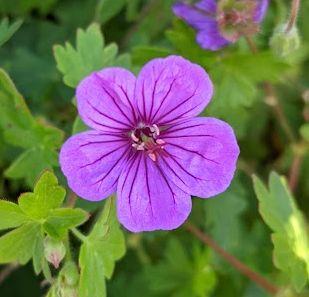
[[146, 138], [236, 18]]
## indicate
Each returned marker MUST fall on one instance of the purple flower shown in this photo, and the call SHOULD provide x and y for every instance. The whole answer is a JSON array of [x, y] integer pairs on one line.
[[219, 23], [147, 145]]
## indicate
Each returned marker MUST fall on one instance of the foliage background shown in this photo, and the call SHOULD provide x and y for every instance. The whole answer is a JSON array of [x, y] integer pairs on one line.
[[160, 263]]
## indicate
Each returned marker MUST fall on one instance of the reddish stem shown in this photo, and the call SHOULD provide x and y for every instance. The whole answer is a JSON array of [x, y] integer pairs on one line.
[[241, 267], [293, 15]]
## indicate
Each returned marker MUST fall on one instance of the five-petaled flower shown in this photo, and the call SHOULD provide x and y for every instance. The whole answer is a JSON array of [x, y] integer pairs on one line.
[[147, 145], [219, 23]]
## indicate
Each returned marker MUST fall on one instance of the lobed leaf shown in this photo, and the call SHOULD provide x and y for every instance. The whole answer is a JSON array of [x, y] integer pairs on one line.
[[21, 129], [99, 252], [11, 216], [289, 237], [8, 30], [18, 245], [90, 55], [59, 221]]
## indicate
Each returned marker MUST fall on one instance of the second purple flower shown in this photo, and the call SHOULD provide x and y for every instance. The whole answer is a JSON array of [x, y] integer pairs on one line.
[[219, 23], [147, 145]]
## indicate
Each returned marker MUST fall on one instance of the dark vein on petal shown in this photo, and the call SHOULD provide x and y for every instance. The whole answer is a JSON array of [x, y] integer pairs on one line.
[[144, 101], [193, 152], [168, 165], [102, 157], [163, 100], [101, 142], [197, 135], [180, 116], [167, 183], [152, 98], [132, 184], [103, 114], [111, 169], [129, 101], [106, 126], [147, 184], [168, 130], [113, 98], [176, 107], [186, 171]]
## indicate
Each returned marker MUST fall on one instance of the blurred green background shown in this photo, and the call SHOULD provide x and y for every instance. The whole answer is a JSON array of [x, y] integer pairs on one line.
[[147, 28]]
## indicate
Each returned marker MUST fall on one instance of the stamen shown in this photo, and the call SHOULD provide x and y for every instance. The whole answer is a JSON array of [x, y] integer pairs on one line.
[[134, 137], [145, 139], [156, 129], [160, 141], [153, 157]]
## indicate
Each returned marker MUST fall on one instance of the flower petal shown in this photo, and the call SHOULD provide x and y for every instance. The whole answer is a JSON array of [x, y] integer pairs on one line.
[[211, 39], [197, 16], [201, 156], [92, 162], [147, 200], [171, 89], [210, 6], [261, 10], [105, 100]]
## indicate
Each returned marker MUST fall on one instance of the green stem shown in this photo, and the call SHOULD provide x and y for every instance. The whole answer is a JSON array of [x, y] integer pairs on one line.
[[273, 101], [79, 235]]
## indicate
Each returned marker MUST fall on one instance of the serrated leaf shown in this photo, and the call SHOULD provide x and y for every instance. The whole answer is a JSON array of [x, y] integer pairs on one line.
[[180, 274], [7, 30], [18, 245], [90, 55], [60, 220], [290, 238], [103, 246], [47, 195], [11, 216], [21, 129]]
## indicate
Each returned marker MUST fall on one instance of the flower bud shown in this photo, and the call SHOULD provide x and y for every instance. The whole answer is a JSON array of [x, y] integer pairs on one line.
[[68, 292], [70, 274], [236, 18], [284, 43], [54, 251]]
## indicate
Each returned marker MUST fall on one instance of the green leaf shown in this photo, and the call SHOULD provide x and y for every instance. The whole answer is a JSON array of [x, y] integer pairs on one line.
[[7, 30], [304, 131], [47, 195], [235, 74], [60, 220], [289, 237], [11, 215], [31, 163], [38, 253], [143, 54], [103, 246], [106, 9], [180, 274], [90, 55], [79, 126], [18, 245], [20, 128], [229, 207]]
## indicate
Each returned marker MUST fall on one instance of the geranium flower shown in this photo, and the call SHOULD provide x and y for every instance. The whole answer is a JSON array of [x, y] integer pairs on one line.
[[147, 145], [219, 23]]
